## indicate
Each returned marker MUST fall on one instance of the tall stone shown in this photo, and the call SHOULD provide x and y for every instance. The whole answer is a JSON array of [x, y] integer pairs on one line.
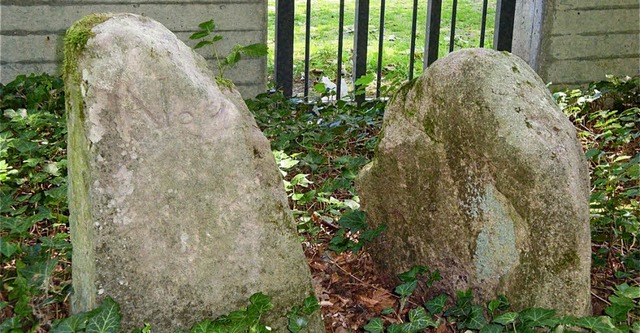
[[178, 211], [480, 175]]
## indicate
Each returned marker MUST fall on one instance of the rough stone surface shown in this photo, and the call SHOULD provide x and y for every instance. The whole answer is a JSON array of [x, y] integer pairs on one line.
[[480, 175], [178, 211]]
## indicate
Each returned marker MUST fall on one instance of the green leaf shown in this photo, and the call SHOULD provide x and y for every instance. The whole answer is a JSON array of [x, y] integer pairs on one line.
[[207, 26], [506, 318], [202, 43], [419, 319], [618, 312], [319, 88], [364, 80], [255, 50], [437, 304], [205, 326], [492, 328], [406, 289], [597, 324], [107, 319], [394, 328], [475, 320], [624, 290], [387, 311], [72, 324], [261, 301], [232, 58], [8, 248], [354, 220], [500, 303], [310, 305], [374, 326], [623, 301], [199, 34], [371, 234], [536, 316], [297, 323], [412, 274]]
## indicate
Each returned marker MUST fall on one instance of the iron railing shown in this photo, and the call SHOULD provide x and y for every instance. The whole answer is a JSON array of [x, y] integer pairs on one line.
[[284, 38]]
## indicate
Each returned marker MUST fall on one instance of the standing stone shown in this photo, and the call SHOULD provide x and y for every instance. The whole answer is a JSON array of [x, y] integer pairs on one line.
[[178, 211], [481, 176]]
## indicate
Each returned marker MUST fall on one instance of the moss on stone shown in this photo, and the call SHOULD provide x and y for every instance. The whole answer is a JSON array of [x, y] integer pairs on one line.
[[75, 41], [76, 38]]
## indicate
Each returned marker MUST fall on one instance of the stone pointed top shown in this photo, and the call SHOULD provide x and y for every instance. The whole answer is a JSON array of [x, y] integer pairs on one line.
[[178, 210], [480, 175]]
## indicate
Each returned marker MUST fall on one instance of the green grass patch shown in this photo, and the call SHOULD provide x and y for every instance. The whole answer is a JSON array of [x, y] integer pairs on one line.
[[397, 35]]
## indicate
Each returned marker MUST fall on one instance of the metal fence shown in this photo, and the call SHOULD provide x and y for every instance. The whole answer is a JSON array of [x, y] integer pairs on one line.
[[284, 38]]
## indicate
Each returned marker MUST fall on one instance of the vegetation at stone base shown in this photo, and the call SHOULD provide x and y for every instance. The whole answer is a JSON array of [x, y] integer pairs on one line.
[[224, 63], [320, 148], [107, 319], [495, 317], [397, 35]]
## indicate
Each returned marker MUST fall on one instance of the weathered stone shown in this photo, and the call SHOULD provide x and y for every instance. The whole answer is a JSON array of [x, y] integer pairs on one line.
[[480, 175], [178, 211]]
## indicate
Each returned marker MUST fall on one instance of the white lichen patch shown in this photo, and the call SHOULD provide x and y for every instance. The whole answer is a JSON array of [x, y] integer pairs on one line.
[[496, 253], [96, 130]]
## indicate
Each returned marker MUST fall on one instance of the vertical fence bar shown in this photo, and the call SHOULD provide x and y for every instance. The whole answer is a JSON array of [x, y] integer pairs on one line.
[[452, 36], [414, 27], [340, 42], [483, 24], [283, 64], [307, 51], [432, 35], [505, 15], [380, 49], [360, 40]]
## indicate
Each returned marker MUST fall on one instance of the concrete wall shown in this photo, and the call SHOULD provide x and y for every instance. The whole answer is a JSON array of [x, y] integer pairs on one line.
[[573, 42], [31, 31]]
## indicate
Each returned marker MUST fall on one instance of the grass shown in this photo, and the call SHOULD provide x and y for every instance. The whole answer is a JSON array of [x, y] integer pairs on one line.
[[397, 35]]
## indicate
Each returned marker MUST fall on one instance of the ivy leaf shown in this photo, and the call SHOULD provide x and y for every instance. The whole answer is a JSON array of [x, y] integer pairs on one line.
[[419, 319], [261, 301], [106, 319], [255, 50], [492, 328], [618, 312], [207, 26], [355, 220], [374, 326], [310, 305], [437, 304], [536, 316], [412, 274], [476, 319], [500, 303], [406, 289], [394, 328], [371, 234], [597, 324], [297, 323], [629, 292], [73, 324], [8, 249], [506, 318], [387, 311]]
